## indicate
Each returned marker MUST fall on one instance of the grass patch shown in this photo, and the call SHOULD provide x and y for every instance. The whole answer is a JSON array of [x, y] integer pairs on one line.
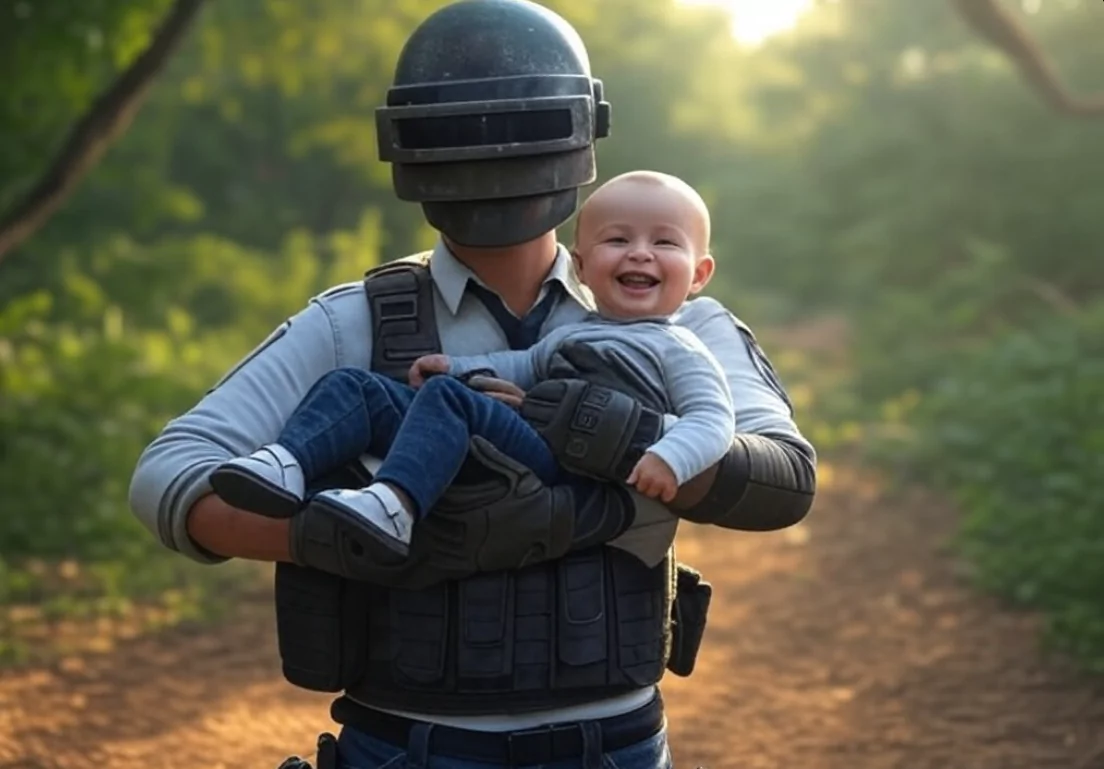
[[53, 609]]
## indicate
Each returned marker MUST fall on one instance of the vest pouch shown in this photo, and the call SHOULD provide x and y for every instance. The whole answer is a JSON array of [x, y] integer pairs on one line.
[[688, 619], [582, 644], [321, 628], [643, 598]]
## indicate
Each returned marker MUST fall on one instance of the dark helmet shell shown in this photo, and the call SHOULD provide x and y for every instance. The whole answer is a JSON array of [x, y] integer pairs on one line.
[[491, 121]]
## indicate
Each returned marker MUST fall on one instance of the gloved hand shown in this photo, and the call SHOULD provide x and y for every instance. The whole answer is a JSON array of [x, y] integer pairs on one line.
[[592, 430], [505, 522], [585, 415]]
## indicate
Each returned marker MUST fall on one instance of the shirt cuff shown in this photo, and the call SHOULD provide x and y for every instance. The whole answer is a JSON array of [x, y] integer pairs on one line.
[[678, 464]]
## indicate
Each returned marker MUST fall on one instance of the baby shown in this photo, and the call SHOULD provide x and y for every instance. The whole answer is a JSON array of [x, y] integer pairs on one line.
[[641, 247]]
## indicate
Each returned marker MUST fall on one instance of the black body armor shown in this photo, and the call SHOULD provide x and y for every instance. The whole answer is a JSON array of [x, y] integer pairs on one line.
[[591, 625]]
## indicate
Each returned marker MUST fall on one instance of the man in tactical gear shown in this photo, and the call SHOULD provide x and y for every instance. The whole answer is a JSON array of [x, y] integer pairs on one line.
[[520, 631]]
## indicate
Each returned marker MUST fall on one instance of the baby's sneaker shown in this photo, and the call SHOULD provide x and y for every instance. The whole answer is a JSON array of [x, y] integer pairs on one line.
[[269, 482], [375, 510]]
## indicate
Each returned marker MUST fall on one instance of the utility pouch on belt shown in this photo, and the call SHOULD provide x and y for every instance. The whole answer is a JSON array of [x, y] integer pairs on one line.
[[688, 619]]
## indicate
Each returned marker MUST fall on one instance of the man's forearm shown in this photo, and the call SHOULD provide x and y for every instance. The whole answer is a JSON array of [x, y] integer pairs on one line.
[[232, 533], [762, 484]]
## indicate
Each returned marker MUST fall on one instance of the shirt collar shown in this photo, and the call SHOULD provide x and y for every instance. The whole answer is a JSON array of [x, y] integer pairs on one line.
[[451, 277]]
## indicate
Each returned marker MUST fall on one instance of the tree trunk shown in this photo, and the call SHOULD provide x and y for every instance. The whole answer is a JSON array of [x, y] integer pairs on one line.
[[994, 23], [105, 121]]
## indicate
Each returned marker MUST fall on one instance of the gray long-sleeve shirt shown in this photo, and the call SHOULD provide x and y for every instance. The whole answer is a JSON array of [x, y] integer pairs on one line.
[[249, 407], [670, 358]]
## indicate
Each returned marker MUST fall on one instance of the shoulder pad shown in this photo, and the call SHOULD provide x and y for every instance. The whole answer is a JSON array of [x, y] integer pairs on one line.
[[744, 328], [412, 263], [709, 302], [701, 309], [340, 290], [762, 363], [404, 326]]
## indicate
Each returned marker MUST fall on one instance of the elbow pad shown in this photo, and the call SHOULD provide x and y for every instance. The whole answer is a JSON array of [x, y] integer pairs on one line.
[[762, 484]]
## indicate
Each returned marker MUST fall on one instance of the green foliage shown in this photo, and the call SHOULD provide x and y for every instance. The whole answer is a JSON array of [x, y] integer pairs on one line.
[[57, 56], [878, 164], [1016, 432], [56, 431], [954, 223]]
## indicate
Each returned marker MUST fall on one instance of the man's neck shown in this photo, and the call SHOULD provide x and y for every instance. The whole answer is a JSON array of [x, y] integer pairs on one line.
[[515, 273]]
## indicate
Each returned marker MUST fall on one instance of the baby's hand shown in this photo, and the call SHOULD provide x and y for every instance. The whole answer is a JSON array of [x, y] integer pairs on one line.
[[425, 367], [653, 478]]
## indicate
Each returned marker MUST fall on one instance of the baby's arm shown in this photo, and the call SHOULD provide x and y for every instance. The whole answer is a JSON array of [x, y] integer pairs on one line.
[[522, 367], [701, 399]]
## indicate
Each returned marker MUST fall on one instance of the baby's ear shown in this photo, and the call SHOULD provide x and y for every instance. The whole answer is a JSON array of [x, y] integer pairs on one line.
[[703, 273]]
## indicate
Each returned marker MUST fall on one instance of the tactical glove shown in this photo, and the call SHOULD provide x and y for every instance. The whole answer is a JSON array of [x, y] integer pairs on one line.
[[586, 414], [505, 522], [592, 430]]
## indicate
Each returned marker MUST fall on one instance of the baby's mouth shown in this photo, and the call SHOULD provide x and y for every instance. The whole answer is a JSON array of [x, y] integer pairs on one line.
[[637, 280]]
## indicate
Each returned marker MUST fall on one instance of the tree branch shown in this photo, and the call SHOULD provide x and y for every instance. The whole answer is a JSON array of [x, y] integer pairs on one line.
[[997, 25], [104, 122]]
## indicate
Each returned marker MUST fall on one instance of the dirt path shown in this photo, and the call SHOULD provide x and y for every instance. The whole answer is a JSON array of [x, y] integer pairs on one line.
[[842, 644]]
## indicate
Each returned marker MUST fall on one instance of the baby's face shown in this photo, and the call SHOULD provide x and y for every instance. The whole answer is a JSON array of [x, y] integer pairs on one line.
[[641, 249]]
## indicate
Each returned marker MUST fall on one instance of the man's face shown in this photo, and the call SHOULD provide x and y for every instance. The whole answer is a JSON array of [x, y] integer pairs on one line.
[[641, 249]]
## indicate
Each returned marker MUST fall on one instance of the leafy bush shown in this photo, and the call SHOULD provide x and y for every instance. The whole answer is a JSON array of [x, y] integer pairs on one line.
[[84, 387], [1016, 434]]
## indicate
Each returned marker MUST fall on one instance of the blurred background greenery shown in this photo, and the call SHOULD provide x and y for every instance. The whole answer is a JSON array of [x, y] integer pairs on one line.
[[914, 232]]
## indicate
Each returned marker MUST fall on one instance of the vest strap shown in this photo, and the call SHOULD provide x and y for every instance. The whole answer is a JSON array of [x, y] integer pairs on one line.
[[404, 323]]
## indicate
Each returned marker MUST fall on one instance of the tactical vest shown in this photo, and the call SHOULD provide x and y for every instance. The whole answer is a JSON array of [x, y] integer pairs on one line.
[[588, 626]]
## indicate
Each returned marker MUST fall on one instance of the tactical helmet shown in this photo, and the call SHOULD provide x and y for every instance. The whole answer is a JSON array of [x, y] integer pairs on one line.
[[491, 120]]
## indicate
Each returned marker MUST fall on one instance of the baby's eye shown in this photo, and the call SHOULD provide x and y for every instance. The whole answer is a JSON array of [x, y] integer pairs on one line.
[[666, 242], [616, 239]]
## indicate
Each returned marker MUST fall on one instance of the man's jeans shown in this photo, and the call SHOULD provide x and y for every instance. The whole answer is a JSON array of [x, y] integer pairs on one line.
[[423, 435], [357, 750]]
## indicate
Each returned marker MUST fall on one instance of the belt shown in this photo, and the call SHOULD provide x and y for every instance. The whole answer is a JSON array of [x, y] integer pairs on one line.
[[528, 747]]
